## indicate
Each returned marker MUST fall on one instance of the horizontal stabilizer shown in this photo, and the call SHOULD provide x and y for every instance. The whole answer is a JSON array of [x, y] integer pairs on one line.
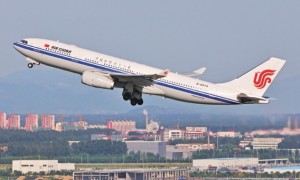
[[245, 99]]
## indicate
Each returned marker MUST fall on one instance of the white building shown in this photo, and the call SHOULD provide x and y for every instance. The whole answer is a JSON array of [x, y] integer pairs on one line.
[[282, 169], [225, 162], [195, 132], [266, 143], [231, 134], [196, 129], [97, 126], [172, 134], [246, 141], [195, 146], [46, 166]]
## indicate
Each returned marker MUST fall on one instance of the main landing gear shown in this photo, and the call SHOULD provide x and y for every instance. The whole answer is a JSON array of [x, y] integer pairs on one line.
[[135, 97], [135, 101]]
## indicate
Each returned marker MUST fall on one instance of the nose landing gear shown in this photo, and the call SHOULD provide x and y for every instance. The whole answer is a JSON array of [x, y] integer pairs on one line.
[[31, 62], [30, 65]]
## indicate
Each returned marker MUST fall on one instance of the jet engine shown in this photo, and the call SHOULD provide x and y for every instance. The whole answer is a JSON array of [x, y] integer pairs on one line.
[[97, 79]]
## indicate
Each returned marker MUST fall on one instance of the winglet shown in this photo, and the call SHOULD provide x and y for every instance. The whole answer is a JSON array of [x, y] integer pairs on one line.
[[164, 73]]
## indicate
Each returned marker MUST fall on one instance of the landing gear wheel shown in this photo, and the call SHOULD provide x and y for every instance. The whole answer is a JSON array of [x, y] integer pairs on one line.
[[126, 96], [140, 101], [133, 101], [30, 65]]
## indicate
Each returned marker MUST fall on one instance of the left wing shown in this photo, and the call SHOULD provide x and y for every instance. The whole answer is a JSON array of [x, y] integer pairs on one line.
[[142, 83], [139, 80], [144, 76]]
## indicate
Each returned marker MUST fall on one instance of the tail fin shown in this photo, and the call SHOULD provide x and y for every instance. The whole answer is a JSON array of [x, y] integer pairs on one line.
[[257, 80]]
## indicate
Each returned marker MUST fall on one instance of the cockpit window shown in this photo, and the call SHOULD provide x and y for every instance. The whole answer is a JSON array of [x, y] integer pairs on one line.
[[24, 41]]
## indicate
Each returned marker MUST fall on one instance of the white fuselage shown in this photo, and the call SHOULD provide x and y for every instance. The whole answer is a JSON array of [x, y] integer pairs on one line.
[[78, 60]]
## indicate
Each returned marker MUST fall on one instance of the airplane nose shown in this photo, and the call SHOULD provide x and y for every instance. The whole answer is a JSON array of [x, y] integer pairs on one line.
[[15, 45]]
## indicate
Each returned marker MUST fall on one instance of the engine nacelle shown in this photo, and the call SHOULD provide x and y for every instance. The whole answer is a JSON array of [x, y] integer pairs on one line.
[[97, 79]]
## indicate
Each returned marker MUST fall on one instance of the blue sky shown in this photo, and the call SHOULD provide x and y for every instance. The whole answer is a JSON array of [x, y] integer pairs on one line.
[[227, 37]]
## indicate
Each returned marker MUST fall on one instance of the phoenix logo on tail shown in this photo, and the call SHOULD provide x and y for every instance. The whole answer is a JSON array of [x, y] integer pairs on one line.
[[262, 78]]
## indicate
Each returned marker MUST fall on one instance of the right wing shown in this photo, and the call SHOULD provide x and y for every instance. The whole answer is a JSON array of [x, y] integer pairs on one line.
[[197, 72]]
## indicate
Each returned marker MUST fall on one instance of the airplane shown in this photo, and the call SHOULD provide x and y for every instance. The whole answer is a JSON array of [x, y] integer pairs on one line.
[[107, 72]]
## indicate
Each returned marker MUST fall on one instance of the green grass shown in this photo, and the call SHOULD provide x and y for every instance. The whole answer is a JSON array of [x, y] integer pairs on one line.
[[5, 166]]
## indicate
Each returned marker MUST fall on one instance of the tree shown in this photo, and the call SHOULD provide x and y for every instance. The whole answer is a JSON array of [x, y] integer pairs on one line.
[[17, 173]]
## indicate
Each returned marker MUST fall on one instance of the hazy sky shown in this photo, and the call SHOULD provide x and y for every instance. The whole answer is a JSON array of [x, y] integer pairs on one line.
[[227, 37]]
